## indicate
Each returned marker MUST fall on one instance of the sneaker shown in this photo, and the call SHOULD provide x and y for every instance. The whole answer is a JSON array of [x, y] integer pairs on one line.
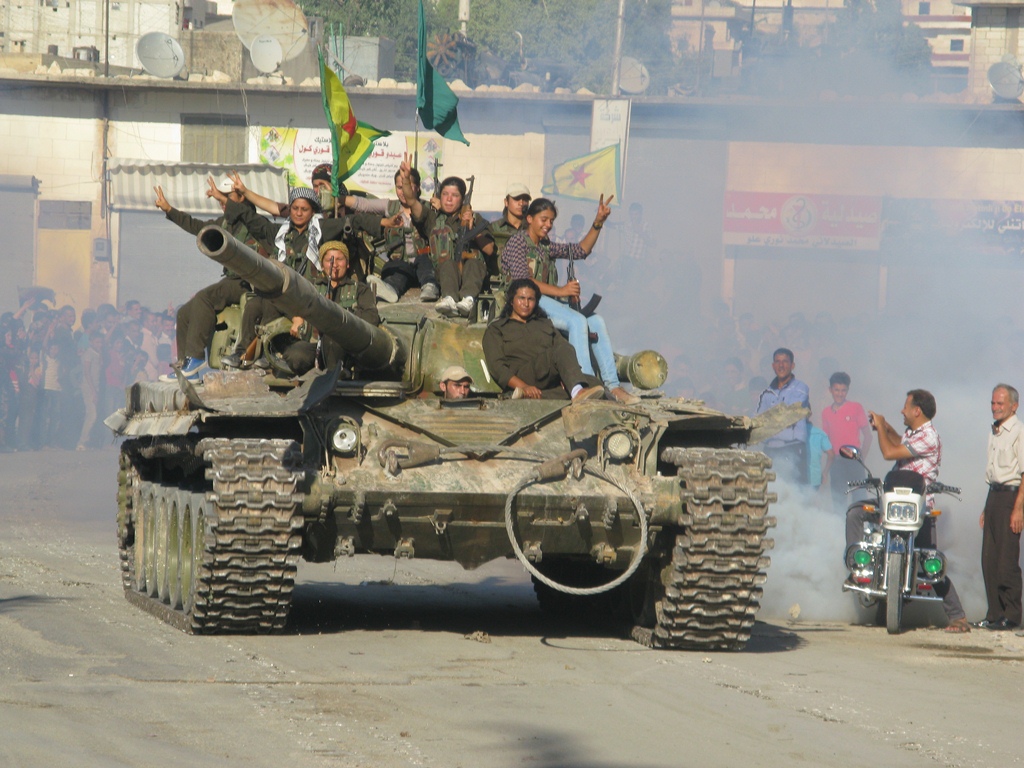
[[430, 292], [194, 369], [465, 306], [384, 291], [232, 361], [447, 307]]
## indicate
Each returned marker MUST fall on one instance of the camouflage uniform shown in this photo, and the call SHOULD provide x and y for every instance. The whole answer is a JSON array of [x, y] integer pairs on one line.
[[459, 277], [197, 317], [408, 253], [501, 230], [259, 311], [348, 294]]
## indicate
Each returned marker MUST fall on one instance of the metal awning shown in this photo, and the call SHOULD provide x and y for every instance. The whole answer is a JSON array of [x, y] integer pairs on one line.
[[184, 184]]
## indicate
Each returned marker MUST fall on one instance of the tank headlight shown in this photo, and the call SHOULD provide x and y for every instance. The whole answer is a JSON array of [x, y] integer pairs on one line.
[[345, 439], [619, 445]]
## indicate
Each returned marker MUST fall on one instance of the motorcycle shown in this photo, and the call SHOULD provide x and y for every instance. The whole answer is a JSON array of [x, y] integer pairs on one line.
[[889, 565]]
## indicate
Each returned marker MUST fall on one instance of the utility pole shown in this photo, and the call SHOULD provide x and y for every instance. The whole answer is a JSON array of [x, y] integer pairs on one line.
[[617, 55]]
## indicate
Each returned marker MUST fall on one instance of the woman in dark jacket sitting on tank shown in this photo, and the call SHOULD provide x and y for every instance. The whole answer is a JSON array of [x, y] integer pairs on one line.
[[527, 356]]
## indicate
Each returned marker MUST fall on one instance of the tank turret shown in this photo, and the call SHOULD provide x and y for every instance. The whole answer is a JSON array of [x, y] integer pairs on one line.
[[374, 348]]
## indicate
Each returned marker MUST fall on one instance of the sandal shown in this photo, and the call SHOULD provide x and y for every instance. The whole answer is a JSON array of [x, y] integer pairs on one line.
[[958, 626]]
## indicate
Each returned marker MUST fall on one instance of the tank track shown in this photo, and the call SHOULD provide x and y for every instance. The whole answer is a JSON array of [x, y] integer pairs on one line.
[[244, 544], [712, 582]]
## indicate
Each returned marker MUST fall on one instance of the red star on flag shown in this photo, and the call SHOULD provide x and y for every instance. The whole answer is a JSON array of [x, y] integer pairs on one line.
[[579, 176]]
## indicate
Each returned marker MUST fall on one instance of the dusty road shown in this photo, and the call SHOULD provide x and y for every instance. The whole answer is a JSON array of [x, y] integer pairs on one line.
[[427, 665]]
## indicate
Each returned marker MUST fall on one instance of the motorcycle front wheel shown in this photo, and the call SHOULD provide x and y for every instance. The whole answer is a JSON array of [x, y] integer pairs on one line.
[[893, 593]]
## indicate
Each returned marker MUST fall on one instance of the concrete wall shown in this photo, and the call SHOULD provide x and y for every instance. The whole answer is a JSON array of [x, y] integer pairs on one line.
[[995, 32]]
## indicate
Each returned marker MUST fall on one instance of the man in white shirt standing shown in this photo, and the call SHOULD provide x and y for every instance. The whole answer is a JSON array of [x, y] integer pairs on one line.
[[1003, 517]]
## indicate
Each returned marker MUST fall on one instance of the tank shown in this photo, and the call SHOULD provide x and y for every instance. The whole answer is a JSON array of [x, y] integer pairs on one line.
[[644, 517]]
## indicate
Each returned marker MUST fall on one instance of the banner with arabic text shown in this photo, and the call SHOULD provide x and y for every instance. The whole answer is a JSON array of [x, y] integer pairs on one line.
[[786, 220], [300, 150]]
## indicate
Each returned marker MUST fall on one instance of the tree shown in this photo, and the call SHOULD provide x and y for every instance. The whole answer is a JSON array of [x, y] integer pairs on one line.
[[577, 34]]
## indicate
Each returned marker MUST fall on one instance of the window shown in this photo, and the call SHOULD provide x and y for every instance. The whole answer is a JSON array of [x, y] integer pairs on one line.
[[214, 139], [65, 214], [923, 9], [956, 45]]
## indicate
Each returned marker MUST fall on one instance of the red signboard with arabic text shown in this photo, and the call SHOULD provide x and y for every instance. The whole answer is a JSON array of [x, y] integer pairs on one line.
[[781, 219]]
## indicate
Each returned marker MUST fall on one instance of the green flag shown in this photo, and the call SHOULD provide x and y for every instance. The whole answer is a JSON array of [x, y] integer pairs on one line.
[[437, 105], [351, 140]]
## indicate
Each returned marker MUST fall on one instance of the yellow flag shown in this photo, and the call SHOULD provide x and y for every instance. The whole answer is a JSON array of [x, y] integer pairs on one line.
[[587, 177], [351, 139]]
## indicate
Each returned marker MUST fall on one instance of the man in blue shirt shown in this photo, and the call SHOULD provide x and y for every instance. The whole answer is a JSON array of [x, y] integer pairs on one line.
[[788, 448]]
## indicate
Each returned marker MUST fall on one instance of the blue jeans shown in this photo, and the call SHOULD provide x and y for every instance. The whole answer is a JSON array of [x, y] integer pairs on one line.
[[567, 319]]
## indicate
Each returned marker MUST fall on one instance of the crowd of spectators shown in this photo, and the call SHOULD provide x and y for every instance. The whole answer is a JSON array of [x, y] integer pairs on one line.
[[59, 378]]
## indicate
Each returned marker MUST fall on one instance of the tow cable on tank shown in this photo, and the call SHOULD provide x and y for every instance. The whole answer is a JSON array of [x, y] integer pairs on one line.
[[418, 454], [556, 469]]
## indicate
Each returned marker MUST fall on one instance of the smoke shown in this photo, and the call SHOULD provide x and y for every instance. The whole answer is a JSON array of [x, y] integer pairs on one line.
[[916, 315], [806, 574]]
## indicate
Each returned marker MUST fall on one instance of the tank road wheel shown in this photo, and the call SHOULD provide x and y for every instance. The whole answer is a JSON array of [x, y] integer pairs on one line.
[[128, 502], [893, 593], [187, 565], [173, 554], [221, 559], [163, 548], [151, 531], [708, 588]]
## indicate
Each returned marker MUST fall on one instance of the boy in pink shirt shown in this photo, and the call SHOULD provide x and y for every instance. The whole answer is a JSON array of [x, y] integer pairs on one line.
[[845, 423]]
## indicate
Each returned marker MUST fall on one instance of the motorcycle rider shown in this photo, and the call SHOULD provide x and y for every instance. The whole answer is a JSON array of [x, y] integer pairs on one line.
[[918, 450]]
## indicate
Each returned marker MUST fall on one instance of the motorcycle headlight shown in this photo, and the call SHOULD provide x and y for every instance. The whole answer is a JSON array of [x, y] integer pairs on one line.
[[858, 558], [901, 512], [933, 563]]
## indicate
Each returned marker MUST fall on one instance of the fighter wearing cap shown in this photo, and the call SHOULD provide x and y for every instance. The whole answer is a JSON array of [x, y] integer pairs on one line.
[[455, 383]]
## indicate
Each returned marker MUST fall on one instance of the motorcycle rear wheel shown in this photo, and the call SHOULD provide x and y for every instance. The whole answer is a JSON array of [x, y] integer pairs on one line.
[[893, 593]]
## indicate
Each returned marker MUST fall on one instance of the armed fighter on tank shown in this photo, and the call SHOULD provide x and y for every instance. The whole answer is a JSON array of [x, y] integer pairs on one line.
[[643, 514]]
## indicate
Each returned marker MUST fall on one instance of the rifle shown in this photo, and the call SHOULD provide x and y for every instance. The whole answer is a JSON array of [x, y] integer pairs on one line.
[[595, 299], [468, 234], [437, 181]]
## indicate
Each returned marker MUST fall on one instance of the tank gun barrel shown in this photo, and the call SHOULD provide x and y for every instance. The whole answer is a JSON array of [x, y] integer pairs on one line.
[[286, 289]]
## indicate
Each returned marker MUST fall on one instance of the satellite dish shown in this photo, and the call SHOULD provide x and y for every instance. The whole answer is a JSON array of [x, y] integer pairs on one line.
[[633, 76], [160, 54], [266, 53], [1006, 80], [282, 19]]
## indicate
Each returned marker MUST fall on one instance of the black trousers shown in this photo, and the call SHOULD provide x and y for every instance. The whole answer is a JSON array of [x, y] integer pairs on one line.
[[403, 275], [197, 317], [1000, 557]]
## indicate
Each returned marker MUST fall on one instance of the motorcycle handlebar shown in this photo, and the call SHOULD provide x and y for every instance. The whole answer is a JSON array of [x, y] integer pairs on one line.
[[871, 482], [952, 490]]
